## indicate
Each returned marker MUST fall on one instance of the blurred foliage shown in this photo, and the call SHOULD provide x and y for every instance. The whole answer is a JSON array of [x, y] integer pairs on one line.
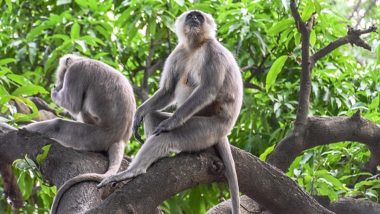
[[263, 37]]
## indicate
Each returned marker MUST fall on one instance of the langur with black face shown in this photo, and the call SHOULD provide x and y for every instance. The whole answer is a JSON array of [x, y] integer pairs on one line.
[[103, 104], [203, 79]]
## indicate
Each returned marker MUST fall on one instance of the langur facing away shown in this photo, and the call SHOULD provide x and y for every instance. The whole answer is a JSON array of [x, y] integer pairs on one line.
[[102, 102]]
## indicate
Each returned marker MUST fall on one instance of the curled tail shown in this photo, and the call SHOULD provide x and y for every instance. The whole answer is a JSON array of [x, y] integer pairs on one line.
[[115, 156], [224, 150]]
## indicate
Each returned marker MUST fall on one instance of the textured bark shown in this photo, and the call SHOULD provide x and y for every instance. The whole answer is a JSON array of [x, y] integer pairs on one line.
[[247, 206], [267, 185], [326, 130], [342, 206], [258, 180]]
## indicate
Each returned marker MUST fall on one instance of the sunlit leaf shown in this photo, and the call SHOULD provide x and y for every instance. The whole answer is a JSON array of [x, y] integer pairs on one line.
[[75, 31], [313, 37], [6, 61], [267, 152], [281, 26], [274, 71], [308, 10], [29, 90]]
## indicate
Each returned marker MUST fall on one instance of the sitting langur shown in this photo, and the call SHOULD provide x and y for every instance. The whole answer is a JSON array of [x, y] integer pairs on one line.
[[102, 102], [203, 79]]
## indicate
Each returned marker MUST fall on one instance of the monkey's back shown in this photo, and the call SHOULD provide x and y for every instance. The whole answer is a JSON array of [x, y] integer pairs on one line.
[[108, 97]]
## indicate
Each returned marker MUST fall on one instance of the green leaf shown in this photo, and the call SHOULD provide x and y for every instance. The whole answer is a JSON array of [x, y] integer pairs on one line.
[[274, 71], [35, 32], [29, 90], [374, 106], [41, 157], [9, 4], [267, 152], [7, 61], [75, 31], [378, 53], [19, 79], [313, 37], [308, 10], [82, 3], [326, 175], [280, 26]]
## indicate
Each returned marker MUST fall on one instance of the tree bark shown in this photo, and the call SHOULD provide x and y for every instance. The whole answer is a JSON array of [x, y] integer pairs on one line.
[[258, 180], [327, 130]]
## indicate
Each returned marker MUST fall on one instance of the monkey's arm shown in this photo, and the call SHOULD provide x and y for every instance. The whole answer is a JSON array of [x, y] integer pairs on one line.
[[212, 79], [160, 99], [71, 95]]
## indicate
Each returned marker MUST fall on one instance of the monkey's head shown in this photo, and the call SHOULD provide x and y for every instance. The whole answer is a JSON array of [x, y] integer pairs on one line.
[[64, 63], [195, 26]]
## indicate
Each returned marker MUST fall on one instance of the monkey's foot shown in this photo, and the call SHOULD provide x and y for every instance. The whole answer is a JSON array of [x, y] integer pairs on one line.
[[116, 178]]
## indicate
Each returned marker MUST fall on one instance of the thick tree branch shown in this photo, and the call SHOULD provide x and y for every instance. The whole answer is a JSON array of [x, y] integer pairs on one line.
[[305, 82], [258, 180], [267, 185], [11, 189], [342, 206], [247, 206], [327, 130]]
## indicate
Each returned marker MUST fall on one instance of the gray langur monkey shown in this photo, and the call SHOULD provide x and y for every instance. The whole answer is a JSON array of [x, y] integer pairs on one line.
[[102, 101], [203, 79]]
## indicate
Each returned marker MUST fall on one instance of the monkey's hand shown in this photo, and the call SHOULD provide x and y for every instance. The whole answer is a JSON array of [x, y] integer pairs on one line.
[[136, 124], [55, 95], [166, 126]]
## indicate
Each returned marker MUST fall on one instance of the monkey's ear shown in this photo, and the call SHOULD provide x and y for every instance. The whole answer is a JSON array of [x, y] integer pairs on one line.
[[68, 61]]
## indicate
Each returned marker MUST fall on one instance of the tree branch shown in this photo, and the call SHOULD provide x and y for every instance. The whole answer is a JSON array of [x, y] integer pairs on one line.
[[342, 206], [353, 37], [292, 145], [305, 82], [327, 130], [172, 175]]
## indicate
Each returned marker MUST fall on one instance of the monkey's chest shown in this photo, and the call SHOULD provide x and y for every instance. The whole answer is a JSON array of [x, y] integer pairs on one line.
[[185, 87]]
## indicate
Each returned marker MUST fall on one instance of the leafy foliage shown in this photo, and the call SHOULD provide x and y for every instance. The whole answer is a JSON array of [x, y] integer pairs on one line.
[[266, 43]]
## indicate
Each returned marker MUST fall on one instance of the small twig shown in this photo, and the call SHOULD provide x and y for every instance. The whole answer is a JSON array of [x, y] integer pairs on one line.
[[356, 8], [251, 85], [369, 8], [142, 94], [148, 61], [299, 23], [311, 22]]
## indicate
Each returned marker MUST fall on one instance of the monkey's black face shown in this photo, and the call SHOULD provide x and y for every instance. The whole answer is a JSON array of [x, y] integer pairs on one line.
[[194, 19]]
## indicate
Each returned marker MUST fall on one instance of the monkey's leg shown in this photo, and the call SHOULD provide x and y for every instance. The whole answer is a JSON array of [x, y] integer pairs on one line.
[[76, 135], [224, 150], [196, 134]]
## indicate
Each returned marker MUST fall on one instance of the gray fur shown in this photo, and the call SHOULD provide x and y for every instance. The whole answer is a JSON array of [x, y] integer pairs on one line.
[[203, 79], [102, 102]]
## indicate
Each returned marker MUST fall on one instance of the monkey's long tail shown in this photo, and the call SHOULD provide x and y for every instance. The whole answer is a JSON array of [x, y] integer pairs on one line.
[[115, 156], [224, 150], [68, 184]]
